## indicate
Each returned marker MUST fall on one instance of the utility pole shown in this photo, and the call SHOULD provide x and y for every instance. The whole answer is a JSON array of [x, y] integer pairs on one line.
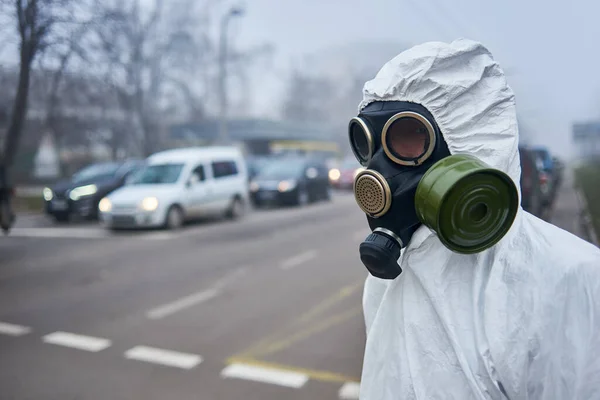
[[233, 12]]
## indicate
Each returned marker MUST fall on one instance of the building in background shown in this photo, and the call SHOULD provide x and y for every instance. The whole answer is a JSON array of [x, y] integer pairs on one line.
[[586, 137], [258, 136]]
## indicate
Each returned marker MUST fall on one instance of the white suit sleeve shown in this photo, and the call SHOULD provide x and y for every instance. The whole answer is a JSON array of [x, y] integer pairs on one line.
[[372, 296]]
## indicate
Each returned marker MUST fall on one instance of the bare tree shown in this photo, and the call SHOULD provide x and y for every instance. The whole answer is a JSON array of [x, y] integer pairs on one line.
[[33, 27], [307, 98], [150, 54], [75, 48], [41, 25]]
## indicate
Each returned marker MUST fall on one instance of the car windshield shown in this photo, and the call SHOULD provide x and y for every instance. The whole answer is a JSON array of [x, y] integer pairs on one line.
[[96, 172], [283, 169], [157, 174], [256, 164], [128, 167]]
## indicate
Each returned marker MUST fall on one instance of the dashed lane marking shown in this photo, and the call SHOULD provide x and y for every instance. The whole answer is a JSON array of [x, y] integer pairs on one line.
[[238, 368], [65, 233], [183, 303], [298, 259], [13, 329], [163, 357], [317, 375], [80, 342], [350, 390], [265, 375], [196, 298]]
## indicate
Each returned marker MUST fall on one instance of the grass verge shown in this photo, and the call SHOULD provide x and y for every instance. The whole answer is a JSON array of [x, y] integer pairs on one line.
[[28, 203], [588, 178]]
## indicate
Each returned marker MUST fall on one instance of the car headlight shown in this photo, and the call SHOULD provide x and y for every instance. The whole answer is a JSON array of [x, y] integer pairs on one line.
[[285, 186], [82, 191], [334, 174], [105, 205], [47, 193], [149, 204], [254, 186]]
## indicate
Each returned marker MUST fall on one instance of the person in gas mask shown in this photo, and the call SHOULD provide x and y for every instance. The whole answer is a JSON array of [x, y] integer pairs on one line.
[[468, 296]]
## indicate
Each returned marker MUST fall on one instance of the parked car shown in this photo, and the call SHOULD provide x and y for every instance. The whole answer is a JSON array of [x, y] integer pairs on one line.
[[179, 185], [559, 169], [532, 177], [291, 181], [81, 194], [256, 163], [547, 174], [342, 177]]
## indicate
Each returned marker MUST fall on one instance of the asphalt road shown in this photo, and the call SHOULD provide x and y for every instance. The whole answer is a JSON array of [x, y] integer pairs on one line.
[[268, 307]]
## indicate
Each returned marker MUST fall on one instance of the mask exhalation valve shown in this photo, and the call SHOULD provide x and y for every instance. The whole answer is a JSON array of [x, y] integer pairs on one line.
[[380, 253]]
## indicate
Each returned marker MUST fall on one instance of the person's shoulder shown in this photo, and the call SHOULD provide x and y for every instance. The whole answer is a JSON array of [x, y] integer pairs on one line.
[[558, 252]]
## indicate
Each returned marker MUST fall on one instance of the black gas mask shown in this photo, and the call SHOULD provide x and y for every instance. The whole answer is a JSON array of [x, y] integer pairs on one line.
[[410, 178], [397, 142]]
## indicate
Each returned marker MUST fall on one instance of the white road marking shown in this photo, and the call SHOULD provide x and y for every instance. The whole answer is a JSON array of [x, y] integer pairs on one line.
[[164, 357], [265, 375], [158, 236], [185, 302], [350, 390], [69, 233], [298, 259], [196, 298], [80, 342], [230, 277], [13, 330]]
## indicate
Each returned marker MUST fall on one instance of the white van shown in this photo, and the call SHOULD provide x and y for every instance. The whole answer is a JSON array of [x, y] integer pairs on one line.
[[178, 185]]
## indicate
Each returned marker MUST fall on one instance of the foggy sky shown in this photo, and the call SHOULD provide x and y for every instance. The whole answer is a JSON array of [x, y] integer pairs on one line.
[[549, 52]]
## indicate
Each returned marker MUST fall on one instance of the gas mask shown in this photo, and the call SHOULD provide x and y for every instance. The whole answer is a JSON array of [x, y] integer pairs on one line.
[[410, 178]]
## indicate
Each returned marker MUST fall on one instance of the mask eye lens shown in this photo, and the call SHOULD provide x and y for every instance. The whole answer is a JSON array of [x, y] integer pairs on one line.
[[409, 140], [360, 141]]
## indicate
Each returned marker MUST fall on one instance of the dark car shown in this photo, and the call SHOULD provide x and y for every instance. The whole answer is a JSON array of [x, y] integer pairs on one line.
[[342, 177], [254, 164], [559, 169], [547, 174], [81, 194], [532, 180], [291, 181]]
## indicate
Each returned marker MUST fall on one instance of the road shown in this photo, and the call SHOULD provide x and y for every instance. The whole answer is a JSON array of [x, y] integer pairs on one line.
[[268, 307]]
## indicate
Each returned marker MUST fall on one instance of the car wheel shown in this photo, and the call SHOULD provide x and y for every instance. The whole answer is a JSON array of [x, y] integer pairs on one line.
[[303, 197], [236, 209], [61, 218], [174, 219], [328, 193], [6, 217]]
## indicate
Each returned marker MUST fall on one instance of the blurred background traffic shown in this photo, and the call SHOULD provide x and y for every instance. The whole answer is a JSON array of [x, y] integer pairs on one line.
[[176, 182]]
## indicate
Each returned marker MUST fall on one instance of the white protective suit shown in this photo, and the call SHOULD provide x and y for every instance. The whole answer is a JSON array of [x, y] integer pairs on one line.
[[520, 320]]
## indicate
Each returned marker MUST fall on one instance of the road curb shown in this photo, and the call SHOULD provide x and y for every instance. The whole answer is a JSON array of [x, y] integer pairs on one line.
[[586, 218]]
